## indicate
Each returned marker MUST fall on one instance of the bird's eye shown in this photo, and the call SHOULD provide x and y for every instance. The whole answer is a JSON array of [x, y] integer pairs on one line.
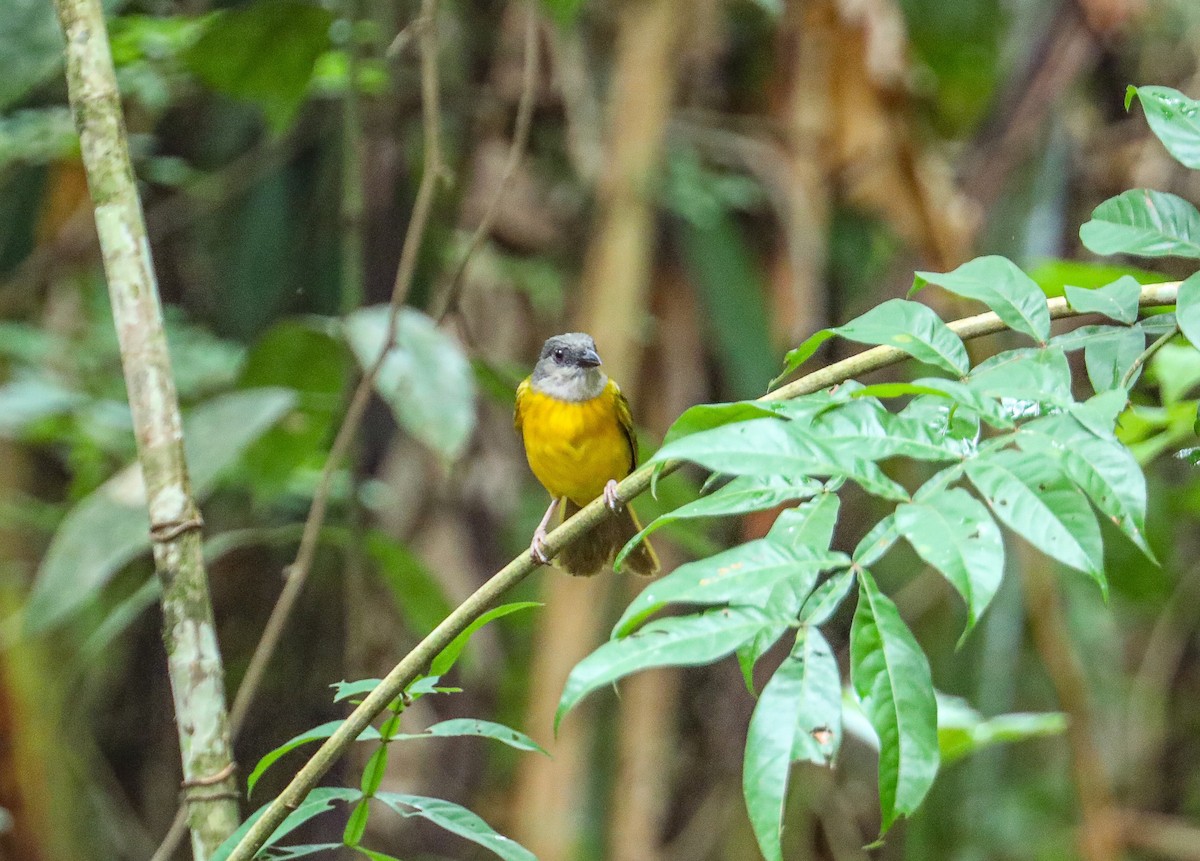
[[559, 355]]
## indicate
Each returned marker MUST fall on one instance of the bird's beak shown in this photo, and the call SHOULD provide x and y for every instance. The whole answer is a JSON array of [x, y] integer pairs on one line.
[[590, 359]]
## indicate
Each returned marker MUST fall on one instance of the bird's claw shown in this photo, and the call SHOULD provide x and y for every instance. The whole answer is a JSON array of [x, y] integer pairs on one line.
[[610, 496], [537, 549]]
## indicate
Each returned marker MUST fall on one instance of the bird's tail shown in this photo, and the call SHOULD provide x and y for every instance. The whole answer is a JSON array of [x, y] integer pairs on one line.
[[590, 553]]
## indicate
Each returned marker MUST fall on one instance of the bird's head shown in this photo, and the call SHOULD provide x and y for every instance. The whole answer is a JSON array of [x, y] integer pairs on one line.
[[569, 368]]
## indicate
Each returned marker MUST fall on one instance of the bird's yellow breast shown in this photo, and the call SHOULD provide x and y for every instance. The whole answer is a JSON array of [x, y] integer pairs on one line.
[[574, 447]]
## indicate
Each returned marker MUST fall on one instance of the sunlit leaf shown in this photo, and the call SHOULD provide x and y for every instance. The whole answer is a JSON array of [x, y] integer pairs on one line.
[[678, 641], [457, 820], [891, 676], [798, 718], [1109, 360], [1144, 222], [961, 394], [426, 378], [954, 533], [877, 542], [110, 527], [1174, 118], [999, 284], [705, 416], [1025, 380], [1032, 495]]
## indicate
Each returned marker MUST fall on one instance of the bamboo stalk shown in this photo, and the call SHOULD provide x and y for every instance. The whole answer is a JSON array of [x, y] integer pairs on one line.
[[193, 658], [417, 661]]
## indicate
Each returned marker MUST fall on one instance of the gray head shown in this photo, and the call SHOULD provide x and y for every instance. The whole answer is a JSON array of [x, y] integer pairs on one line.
[[569, 368]]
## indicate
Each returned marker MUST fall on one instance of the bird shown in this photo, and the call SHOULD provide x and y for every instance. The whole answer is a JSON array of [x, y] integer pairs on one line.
[[578, 436]]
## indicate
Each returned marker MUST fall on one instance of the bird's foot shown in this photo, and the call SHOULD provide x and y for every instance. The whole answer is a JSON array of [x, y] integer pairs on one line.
[[537, 547], [610, 496]]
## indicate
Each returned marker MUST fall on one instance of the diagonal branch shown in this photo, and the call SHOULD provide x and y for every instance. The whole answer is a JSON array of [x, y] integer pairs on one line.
[[193, 659], [417, 661]]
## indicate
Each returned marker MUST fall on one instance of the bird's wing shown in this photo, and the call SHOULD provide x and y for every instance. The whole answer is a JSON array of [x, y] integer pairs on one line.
[[625, 418], [522, 390]]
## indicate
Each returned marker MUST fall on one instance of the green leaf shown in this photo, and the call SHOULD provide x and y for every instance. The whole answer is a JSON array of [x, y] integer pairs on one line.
[[908, 326], [295, 355], [774, 447], [1109, 360], [426, 379], [865, 427], [317, 733], [1144, 222], [317, 801], [1187, 308], [826, 598], [356, 824], [954, 533], [1117, 301], [742, 575], [913, 328], [678, 641], [1054, 275], [457, 820], [891, 676], [999, 284], [963, 731], [1100, 465], [1033, 497], [373, 854], [704, 417], [417, 593], [1176, 370], [797, 718], [474, 727], [263, 53], [448, 656], [877, 542], [26, 401], [809, 524], [1173, 117], [742, 494], [110, 527], [1025, 379], [372, 776], [962, 395]]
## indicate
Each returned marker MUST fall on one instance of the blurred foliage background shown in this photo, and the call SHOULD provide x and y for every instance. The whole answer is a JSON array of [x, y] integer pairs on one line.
[[705, 183]]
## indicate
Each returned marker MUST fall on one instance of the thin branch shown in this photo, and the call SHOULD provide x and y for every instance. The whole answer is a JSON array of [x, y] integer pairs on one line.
[[417, 661], [1146, 355], [298, 571], [515, 151], [189, 636]]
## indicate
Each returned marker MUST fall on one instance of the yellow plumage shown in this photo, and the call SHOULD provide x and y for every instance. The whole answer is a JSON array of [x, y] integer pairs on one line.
[[574, 448]]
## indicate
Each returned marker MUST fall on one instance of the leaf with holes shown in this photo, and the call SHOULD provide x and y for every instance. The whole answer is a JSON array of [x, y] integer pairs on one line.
[[797, 718]]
